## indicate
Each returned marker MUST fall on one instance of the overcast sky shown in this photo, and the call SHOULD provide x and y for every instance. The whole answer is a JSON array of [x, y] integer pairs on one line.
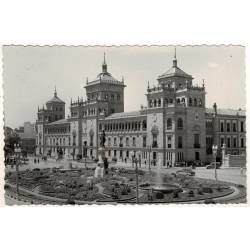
[[31, 73]]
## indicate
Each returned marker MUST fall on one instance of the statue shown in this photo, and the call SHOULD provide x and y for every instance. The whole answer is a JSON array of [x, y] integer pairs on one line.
[[103, 139]]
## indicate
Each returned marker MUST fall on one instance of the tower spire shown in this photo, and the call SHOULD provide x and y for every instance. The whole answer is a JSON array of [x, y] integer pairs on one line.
[[55, 93], [104, 65], [175, 59]]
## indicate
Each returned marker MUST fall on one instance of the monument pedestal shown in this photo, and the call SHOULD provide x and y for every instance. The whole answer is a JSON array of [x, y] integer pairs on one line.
[[99, 171]]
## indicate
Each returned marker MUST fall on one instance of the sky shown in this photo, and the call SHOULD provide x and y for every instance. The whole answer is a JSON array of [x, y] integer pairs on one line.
[[30, 74]]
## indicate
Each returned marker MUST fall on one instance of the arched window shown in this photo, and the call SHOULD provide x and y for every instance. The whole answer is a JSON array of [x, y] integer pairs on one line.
[[195, 102], [155, 103], [169, 123], [200, 102], [190, 101], [150, 103], [180, 123], [159, 102]]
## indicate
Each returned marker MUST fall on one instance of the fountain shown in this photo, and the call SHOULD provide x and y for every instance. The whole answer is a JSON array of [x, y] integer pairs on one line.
[[158, 186]]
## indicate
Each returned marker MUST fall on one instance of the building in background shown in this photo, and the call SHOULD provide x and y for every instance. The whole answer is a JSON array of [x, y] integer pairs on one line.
[[175, 126], [27, 135]]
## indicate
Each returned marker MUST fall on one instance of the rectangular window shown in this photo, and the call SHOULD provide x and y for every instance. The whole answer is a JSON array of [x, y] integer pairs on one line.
[[242, 126], [242, 142], [114, 153], [127, 142], [228, 142], [235, 142], [179, 141], [169, 142], [196, 141], [228, 127], [221, 142], [134, 141], [234, 127], [121, 144], [222, 127], [144, 142], [115, 141]]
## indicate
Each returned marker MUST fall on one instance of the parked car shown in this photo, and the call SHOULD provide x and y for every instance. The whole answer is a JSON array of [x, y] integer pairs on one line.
[[186, 171], [179, 164], [212, 165]]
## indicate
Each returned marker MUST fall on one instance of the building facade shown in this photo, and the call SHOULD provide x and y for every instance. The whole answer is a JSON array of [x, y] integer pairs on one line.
[[175, 126]]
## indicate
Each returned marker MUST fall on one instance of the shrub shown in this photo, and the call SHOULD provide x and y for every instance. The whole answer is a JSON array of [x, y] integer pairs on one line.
[[200, 192], [114, 159], [207, 190], [124, 192], [176, 194], [209, 201], [159, 195], [191, 193], [71, 202]]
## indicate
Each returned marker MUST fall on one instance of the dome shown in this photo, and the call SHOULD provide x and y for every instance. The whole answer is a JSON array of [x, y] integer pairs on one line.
[[175, 71], [55, 99], [105, 76]]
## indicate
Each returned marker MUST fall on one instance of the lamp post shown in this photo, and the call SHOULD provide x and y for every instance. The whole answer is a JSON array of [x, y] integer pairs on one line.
[[137, 184], [136, 178], [215, 148], [17, 150], [149, 160]]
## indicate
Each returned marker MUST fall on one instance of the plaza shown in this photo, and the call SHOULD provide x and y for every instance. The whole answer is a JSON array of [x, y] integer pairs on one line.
[[33, 190]]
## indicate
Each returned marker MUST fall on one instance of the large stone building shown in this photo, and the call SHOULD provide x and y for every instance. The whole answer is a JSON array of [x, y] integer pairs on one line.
[[175, 126]]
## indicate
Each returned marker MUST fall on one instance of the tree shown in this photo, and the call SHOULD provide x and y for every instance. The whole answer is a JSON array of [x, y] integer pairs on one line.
[[10, 142]]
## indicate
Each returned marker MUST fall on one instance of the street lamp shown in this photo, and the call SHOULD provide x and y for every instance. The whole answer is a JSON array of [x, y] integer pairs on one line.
[[149, 161], [17, 150], [215, 148], [136, 178]]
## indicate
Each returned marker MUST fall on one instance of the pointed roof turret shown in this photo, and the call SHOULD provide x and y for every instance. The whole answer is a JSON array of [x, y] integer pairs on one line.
[[55, 93], [55, 98], [175, 70], [104, 65], [105, 76], [175, 59]]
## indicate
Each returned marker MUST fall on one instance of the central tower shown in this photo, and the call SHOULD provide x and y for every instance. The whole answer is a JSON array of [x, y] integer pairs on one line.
[[107, 90]]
